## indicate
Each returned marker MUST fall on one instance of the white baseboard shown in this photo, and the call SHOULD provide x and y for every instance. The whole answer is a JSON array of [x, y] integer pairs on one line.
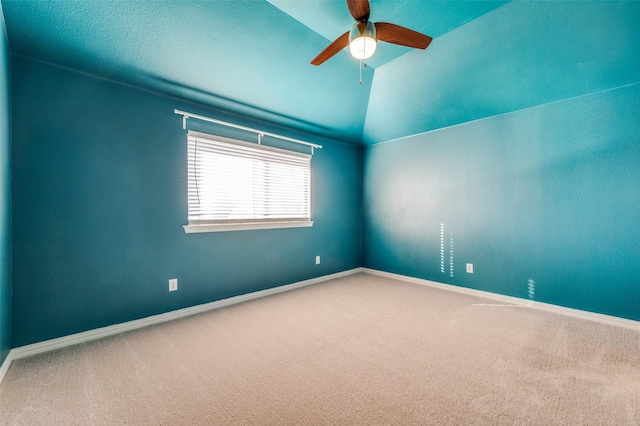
[[515, 301], [99, 333], [74, 339], [5, 365]]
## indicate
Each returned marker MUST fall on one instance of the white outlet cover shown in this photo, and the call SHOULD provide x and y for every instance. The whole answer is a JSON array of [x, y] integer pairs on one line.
[[173, 284], [317, 260], [469, 268]]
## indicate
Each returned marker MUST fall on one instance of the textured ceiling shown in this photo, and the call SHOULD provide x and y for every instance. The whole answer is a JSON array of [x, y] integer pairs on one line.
[[252, 57], [331, 18]]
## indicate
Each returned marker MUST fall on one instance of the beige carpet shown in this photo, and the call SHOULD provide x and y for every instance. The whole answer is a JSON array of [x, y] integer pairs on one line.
[[353, 351]]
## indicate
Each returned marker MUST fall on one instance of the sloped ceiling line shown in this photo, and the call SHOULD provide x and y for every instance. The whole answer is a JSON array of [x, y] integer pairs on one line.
[[252, 57]]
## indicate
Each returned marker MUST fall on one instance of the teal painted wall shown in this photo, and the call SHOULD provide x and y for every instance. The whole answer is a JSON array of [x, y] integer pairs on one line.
[[99, 177], [5, 194], [549, 194]]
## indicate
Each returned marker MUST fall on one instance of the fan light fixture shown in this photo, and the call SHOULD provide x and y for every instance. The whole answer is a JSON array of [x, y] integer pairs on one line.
[[362, 40], [363, 37]]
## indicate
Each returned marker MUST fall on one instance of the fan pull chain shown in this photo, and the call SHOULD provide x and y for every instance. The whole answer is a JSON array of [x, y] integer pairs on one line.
[[363, 64]]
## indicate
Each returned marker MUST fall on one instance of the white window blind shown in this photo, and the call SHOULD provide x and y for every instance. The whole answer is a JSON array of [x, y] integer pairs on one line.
[[233, 183]]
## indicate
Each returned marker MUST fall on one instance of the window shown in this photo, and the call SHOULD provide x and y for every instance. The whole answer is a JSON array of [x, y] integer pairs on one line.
[[235, 185]]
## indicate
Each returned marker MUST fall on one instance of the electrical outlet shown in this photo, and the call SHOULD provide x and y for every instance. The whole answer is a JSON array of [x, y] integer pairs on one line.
[[317, 260], [173, 284], [469, 268]]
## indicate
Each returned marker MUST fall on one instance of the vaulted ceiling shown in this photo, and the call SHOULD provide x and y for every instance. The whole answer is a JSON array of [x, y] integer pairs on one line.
[[252, 56]]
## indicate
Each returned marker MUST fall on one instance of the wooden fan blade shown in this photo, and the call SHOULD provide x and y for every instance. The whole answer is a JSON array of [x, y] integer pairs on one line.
[[359, 9], [392, 33], [337, 45]]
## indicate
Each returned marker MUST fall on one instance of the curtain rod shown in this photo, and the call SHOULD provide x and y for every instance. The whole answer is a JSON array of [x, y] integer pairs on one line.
[[260, 133]]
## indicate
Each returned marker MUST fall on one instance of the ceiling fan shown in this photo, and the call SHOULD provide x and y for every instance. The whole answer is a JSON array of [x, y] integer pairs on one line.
[[363, 37]]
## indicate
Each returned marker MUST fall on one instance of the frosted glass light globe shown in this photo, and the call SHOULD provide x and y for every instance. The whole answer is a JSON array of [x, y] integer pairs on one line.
[[362, 40]]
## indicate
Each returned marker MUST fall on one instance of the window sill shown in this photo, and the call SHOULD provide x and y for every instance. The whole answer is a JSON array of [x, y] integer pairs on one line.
[[193, 229]]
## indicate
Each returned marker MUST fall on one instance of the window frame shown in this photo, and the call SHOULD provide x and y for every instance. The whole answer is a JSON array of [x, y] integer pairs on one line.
[[242, 224]]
